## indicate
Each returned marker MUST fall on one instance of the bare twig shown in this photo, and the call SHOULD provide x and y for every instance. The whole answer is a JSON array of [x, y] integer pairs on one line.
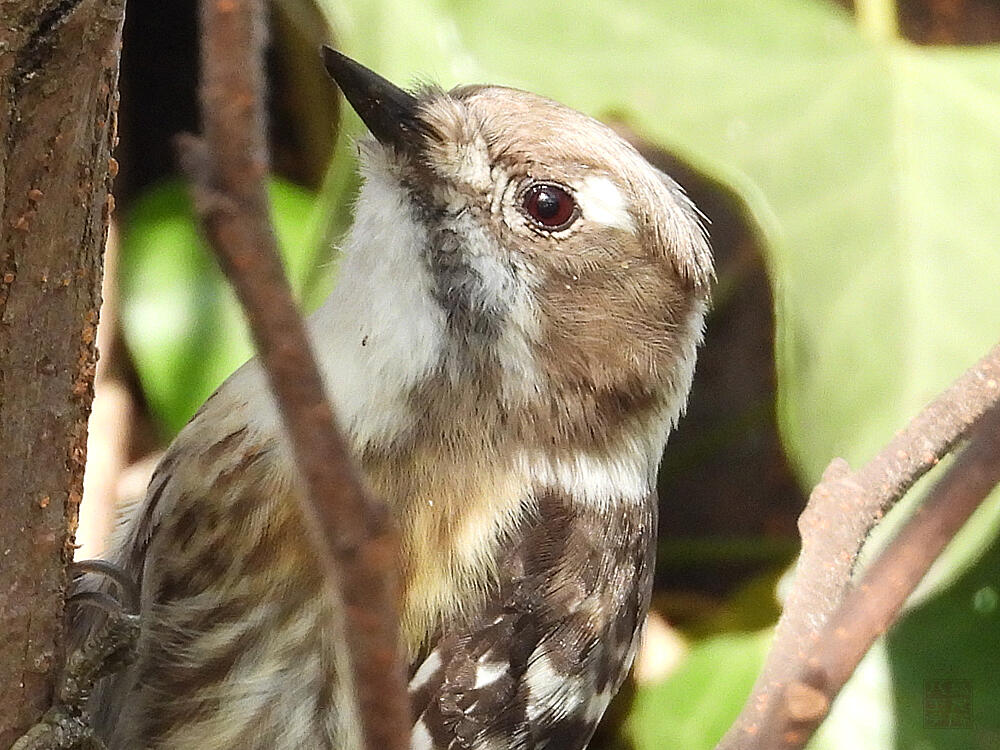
[[872, 605], [841, 511], [353, 534]]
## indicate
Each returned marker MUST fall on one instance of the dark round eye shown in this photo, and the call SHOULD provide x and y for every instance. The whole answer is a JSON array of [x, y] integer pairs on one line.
[[550, 206]]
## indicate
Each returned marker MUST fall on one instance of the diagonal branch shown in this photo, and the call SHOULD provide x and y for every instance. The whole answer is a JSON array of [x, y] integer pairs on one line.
[[873, 604], [352, 533], [842, 510]]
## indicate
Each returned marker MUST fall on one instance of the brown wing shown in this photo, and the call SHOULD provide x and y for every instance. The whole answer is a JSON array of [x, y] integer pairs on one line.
[[539, 665]]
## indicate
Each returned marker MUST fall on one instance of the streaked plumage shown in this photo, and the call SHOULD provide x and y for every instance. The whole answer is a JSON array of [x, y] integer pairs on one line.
[[508, 390]]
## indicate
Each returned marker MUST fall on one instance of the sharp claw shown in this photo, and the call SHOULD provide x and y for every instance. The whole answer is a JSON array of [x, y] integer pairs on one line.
[[127, 588], [97, 599]]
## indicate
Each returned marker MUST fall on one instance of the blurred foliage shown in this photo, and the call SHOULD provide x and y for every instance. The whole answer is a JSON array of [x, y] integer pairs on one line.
[[944, 659], [696, 705], [180, 319], [871, 168]]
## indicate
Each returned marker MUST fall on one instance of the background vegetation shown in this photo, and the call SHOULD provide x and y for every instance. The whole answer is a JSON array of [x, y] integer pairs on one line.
[[850, 166]]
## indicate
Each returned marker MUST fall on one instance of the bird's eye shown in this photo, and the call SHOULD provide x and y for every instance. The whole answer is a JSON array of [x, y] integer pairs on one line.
[[549, 206]]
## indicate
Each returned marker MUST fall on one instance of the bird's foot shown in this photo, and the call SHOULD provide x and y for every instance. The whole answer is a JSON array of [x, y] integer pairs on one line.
[[108, 649]]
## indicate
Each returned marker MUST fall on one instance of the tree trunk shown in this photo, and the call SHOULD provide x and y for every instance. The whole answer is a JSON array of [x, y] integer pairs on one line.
[[59, 93]]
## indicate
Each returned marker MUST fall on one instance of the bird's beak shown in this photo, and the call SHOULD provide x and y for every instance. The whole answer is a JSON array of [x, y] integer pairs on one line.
[[389, 112]]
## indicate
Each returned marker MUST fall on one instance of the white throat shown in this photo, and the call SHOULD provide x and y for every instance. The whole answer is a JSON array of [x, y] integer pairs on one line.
[[380, 332]]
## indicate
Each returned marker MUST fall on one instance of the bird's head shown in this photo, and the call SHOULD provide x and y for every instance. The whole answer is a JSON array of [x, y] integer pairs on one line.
[[560, 261]]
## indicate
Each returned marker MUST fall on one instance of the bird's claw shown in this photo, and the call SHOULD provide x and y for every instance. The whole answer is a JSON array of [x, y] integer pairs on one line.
[[110, 647]]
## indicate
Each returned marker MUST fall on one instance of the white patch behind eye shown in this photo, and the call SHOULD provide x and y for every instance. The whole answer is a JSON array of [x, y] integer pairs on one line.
[[602, 202]]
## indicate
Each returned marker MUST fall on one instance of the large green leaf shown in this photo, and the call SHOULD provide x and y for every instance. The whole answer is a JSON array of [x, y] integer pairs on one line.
[[945, 662], [871, 166]]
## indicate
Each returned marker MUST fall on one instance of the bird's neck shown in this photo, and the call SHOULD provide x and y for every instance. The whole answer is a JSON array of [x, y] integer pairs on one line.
[[458, 460], [465, 487], [458, 435], [448, 437]]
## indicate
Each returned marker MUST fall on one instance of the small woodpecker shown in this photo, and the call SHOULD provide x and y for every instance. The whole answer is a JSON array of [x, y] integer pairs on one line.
[[510, 341]]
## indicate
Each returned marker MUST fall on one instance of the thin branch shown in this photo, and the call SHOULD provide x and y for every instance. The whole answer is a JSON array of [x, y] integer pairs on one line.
[[872, 605], [842, 510], [353, 534]]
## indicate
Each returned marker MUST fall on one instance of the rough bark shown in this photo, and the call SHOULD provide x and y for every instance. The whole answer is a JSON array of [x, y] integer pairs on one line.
[[58, 103]]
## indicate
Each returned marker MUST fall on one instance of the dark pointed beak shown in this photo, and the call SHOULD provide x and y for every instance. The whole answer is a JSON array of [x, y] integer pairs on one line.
[[389, 112]]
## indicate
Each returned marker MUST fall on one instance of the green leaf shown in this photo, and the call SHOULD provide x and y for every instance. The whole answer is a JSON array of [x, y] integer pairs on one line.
[[945, 663], [872, 168], [694, 707], [180, 319]]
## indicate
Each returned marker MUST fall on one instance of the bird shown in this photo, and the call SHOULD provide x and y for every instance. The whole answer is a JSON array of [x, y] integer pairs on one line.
[[510, 341]]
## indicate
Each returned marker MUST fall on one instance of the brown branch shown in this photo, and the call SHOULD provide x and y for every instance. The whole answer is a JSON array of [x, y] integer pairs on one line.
[[58, 104], [872, 605], [353, 535], [842, 510]]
